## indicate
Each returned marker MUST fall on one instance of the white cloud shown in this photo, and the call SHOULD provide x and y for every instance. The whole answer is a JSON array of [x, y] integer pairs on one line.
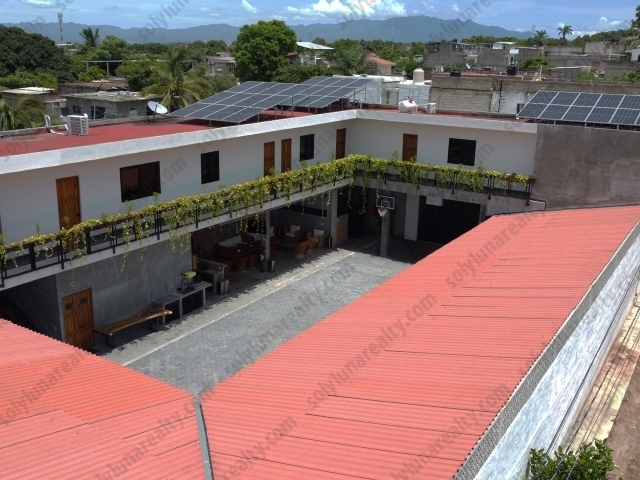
[[429, 8], [247, 7], [602, 25], [110, 7], [39, 3], [455, 8], [347, 9]]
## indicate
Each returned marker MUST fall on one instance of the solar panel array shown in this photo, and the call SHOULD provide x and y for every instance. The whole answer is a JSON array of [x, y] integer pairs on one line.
[[614, 109], [248, 99]]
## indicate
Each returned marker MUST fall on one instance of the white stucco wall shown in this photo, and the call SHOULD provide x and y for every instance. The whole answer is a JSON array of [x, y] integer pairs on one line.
[[28, 189], [504, 146], [559, 391]]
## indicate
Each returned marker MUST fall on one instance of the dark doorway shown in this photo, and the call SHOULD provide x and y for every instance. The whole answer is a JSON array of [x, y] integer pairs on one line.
[[442, 224], [355, 208]]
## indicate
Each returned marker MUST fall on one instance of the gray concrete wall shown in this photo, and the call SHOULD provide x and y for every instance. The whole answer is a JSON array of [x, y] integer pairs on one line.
[[120, 291], [595, 321], [578, 166], [39, 301], [411, 217]]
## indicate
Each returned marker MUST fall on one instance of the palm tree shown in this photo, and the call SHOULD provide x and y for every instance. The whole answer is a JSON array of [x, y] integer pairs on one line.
[[178, 86], [563, 31], [540, 36], [27, 113], [90, 37]]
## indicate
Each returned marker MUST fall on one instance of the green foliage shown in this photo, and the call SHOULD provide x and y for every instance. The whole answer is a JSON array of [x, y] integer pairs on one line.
[[92, 73], [298, 73], [178, 86], [261, 49], [26, 114], [116, 47], [592, 461], [635, 22], [600, 37], [587, 75], [152, 48], [221, 82], [534, 63], [28, 79], [319, 41], [540, 37], [563, 31], [353, 60], [139, 74], [20, 51], [630, 77], [90, 37]]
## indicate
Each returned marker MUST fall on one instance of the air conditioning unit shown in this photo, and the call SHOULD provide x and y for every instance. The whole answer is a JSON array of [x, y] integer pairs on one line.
[[78, 124], [431, 108]]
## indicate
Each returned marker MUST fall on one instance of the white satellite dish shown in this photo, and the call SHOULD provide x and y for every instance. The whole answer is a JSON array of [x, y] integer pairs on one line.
[[156, 107]]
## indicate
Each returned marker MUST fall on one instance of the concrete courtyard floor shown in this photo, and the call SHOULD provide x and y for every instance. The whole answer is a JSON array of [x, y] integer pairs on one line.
[[263, 311]]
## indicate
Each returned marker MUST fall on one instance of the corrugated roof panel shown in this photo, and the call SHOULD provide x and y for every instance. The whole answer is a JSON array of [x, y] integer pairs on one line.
[[427, 359], [68, 414]]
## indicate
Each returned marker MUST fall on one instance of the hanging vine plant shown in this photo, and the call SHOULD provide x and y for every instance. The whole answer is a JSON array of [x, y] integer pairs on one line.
[[241, 199]]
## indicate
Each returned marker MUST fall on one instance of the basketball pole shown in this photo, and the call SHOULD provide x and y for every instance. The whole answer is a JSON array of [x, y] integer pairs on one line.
[[384, 234]]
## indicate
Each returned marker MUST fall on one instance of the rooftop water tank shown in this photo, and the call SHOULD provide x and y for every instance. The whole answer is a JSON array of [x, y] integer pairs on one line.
[[418, 76]]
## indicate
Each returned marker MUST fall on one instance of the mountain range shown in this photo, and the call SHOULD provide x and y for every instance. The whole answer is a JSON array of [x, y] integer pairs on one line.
[[419, 28]]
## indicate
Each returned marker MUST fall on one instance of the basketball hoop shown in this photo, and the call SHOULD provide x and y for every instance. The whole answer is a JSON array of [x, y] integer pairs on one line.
[[382, 211]]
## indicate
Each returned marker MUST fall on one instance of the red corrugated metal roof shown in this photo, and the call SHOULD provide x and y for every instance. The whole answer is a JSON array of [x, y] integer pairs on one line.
[[67, 414], [403, 382]]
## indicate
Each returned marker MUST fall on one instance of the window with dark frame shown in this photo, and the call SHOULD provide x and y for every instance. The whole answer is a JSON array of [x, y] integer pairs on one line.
[[462, 152], [139, 181], [97, 113], [306, 147], [210, 167], [76, 109]]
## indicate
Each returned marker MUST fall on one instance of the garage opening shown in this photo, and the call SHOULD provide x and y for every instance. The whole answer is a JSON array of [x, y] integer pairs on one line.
[[442, 224]]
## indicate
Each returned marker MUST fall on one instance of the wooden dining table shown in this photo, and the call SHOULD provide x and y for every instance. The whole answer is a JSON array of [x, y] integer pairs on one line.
[[235, 253]]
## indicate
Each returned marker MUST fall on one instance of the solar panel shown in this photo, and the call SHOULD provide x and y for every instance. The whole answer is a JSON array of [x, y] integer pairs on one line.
[[615, 109], [564, 98], [587, 99], [577, 114], [609, 101], [532, 110], [554, 112], [625, 116], [601, 115], [247, 100]]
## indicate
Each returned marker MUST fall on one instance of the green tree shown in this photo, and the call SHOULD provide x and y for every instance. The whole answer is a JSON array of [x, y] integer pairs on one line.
[[21, 51], [540, 37], [214, 46], [354, 60], [91, 74], [534, 63], [221, 82], [178, 86], [563, 31], [139, 73], [592, 461], [26, 114], [116, 47], [298, 73], [27, 79], [261, 49], [635, 22], [319, 41], [90, 37]]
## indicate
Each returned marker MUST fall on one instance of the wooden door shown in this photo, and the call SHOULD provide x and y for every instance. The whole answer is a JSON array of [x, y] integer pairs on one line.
[[269, 157], [409, 146], [68, 201], [341, 137], [78, 319], [285, 155]]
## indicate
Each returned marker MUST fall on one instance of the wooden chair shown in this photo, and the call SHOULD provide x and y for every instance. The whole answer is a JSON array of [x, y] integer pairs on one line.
[[241, 263], [300, 249], [252, 260], [311, 245]]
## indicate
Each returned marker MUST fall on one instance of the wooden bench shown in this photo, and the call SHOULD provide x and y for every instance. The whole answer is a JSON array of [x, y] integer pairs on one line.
[[149, 313]]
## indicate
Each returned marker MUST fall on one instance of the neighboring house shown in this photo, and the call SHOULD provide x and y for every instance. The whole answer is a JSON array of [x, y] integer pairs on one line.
[[635, 54], [220, 64], [105, 105], [96, 86], [53, 103], [383, 67]]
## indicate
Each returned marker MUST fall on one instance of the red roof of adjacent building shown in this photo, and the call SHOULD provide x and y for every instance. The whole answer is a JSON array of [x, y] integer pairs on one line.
[[379, 61], [44, 141], [68, 414], [404, 381]]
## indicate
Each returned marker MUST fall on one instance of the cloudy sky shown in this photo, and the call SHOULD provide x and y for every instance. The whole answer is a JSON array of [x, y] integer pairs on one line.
[[583, 15]]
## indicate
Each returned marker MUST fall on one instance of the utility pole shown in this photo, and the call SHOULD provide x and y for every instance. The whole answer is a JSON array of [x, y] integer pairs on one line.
[[60, 23]]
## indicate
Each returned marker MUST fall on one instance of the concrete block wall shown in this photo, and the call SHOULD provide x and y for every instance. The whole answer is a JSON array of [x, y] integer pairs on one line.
[[579, 348], [121, 287]]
